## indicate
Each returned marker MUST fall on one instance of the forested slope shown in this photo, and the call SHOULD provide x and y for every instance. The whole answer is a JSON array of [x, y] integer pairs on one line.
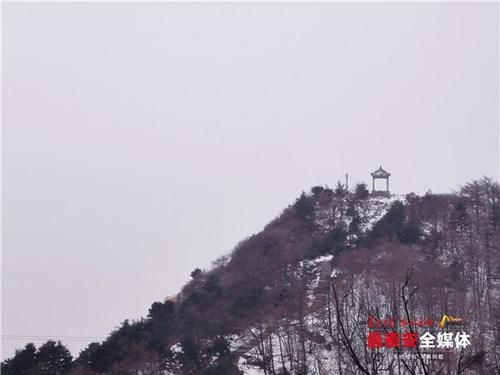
[[296, 297]]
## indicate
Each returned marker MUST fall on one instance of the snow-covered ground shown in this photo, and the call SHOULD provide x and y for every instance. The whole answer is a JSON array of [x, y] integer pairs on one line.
[[369, 210]]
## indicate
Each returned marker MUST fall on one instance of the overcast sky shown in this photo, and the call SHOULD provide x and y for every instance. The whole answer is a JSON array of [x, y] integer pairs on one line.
[[143, 140]]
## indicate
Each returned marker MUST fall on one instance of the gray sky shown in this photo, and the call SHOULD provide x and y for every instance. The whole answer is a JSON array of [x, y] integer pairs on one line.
[[143, 140]]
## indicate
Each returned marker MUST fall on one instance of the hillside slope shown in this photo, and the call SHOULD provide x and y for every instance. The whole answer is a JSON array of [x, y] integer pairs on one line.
[[297, 297]]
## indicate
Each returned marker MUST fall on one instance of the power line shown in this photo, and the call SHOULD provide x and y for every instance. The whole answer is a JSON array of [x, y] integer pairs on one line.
[[61, 338]]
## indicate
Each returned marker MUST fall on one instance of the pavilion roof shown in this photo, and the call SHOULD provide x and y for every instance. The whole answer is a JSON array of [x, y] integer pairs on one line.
[[380, 173]]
